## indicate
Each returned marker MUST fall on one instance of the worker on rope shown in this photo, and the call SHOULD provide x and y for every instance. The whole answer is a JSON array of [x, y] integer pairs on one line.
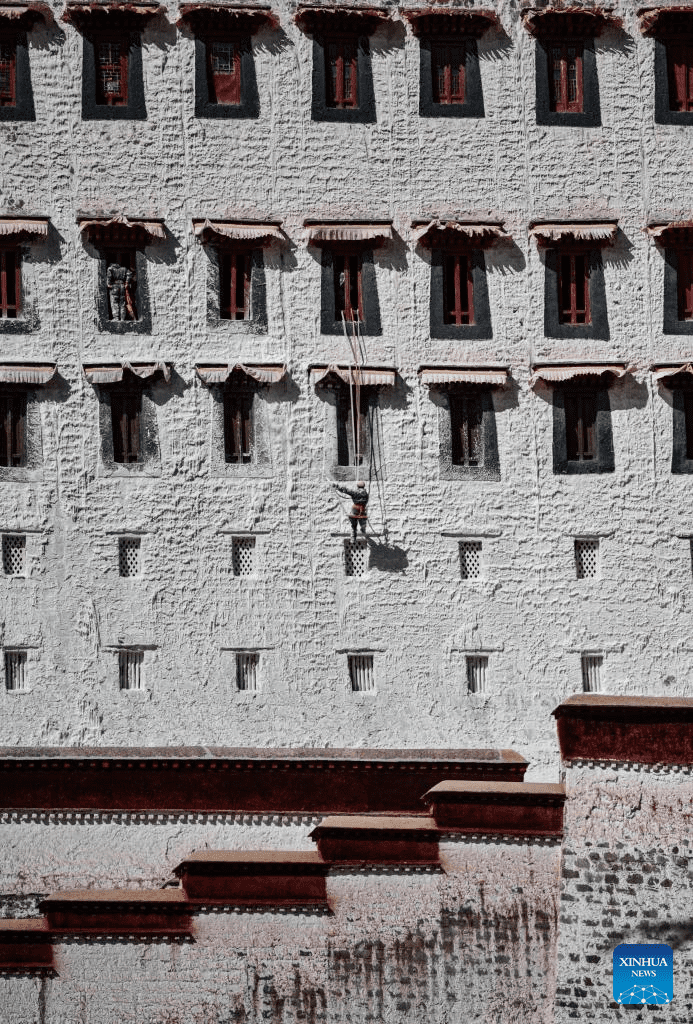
[[358, 515]]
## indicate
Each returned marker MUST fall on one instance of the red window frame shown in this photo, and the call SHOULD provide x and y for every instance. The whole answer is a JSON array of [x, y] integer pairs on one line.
[[348, 285], [8, 72], [341, 72], [680, 75], [224, 71], [238, 425], [234, 285], [466, 426], [114, 62], [566, 87], [449, 72], [458, 288], [10, 283], [347, 453], [126, 418], [12, 427], [574, 287], [684, 283], [580, 425]]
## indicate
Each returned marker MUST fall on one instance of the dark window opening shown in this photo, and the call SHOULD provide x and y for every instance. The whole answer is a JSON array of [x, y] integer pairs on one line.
[[565, 78], [224, 72], [238, 426], [684, 283], [12, 428], [580, 425], [574, 288], [680, 73], [353, 427], [348, 286], [688, 420], [341, 74], [126, 417], [448, 61], [111, 66], [10, 291], [458, 289], [234, 285], [466, 429], [8, 73], [121, 283]]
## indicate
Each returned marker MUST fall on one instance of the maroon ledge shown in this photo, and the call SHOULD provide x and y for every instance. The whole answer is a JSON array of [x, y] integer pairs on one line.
[[498, 808], [25, 945], [229, 780], [254, 877], [154, 912], [377, 840], [643, 730]]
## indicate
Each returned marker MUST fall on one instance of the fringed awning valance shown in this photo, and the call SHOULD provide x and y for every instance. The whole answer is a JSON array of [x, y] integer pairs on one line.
[[672, 21], [435, 21], [112, 13], [358, 20], [113, 373], [663, 373], [561, 20], [443, 234], [122, 231], [261, 373], [444, 376], [679, 232], [20, 228], [371, 234], [365, 376], [599, 233], [27, 373], [561, 374], [23, 16], [238, 231], [207, 15]]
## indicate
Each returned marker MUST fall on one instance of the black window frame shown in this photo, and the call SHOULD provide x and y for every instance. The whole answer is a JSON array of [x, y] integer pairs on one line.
[[598, 327], [239, 397], [448, 397], [364, 112], [13, 405], [121, 28], [329, 323], [473, 105], [681, 388], [482, 326], [590, 115], [604, 461], [23, 107]]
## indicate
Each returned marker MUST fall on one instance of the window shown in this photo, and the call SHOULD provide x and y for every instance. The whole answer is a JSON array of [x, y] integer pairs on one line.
[[361, 672], [243, 555], [470, 559], [574, 288], [224, 72], [348, 285], [238, 426], [592, 673], [466, 429], [477, 673], [13, 554], [684, 283], [16, 677], [8, 72], [586, 558], [580, 424], [355, 557], [12, 428], [448, 72], [130, 670], [353, 426], [129, 556], [688, 420], [565, 77], [458, 289], [10, 290], [680, 75], [341, 74], [111, 70], [121, 283], [126, 416], [246, 670], [234, 285]]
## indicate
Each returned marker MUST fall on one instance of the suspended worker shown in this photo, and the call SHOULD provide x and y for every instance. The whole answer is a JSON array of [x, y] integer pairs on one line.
[[358, 515]]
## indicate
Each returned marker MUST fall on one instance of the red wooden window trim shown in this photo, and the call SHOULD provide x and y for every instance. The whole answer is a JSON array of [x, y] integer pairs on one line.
[[341, 73], [574, 287], [680, 71], [126, 415], [8, 72], [238, 425], [348, 286], [565, 77], [12, 428], [234, 285], [448, 70], [10, 284], [224, 71], [458, 288], [688, 420], [580, 425], [466, 418], [111, 56], [349, 454], [684, 283]]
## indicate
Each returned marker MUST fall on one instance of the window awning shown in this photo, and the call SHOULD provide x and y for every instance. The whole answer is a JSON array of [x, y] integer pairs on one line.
[[27, 373], [450, 21], [238, 231], [601, 232], [662, 372], [373, 233], [112, 12], [23, 227], [559, 374], [437, 376], [25, 15], [263, 373], [365, 20], [365, 376], [442, 233], [206, 13], [671, 20], [672, 232], [111, 373], [121, 230], [569, 20]]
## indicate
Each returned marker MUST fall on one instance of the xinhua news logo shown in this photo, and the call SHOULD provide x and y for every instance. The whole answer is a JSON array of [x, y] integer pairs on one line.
[[643, 973]]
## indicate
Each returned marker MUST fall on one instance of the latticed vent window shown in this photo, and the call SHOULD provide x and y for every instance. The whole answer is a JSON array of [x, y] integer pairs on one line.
[[130, 673], [477, 673], [15, 671], [592, 672], [470, 559], [13, 554], [355, 557], [246, 670], [111, 60], [8, 73], [129, 556], [243, 555], [361, 672], [586, 558]]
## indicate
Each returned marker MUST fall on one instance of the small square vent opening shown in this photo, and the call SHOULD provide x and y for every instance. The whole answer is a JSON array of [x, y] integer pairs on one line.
[[361, 672], [15, 671], [592, 665], [477, 673], [586, 558], [129, 556], [13, 554], [355, 557], [246, 670], [470, 559], [243, 556], [130, 673]]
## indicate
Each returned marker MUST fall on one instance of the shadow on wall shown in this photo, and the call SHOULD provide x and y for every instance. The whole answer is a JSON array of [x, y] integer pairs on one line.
[[386, 557], [620, 254]]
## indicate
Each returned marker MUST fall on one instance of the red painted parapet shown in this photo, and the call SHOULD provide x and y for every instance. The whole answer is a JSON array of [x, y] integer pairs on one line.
[[643, 730], [254, 877], [136, 912], [377, 840], [25, 945], [498, 808]]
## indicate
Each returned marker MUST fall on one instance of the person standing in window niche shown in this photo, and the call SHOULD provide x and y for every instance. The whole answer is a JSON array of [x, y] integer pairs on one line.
[[358, 515], [120, 282]]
